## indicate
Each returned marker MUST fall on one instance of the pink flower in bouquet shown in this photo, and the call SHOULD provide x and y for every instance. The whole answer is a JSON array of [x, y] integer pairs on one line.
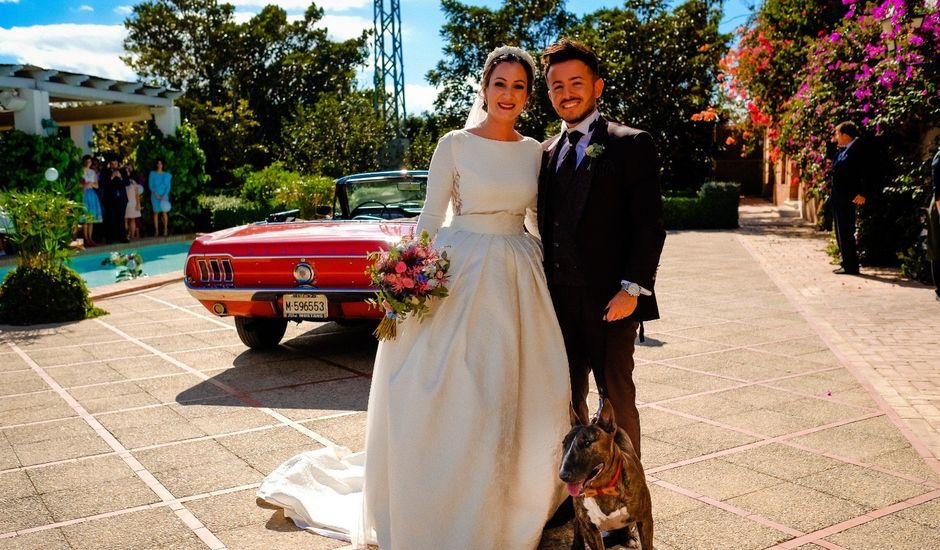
[[401, 267], [408, 282]]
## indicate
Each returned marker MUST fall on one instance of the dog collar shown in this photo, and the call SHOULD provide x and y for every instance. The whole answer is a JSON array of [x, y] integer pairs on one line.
[[610, 489]]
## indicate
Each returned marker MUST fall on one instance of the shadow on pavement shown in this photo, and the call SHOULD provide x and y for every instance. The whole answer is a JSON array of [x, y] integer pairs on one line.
[[327, 367]]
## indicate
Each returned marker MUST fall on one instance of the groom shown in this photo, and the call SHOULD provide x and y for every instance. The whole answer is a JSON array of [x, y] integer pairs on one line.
[[600, 217]]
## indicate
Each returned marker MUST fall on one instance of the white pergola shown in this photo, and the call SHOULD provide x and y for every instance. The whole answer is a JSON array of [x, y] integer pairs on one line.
[[31, 96]]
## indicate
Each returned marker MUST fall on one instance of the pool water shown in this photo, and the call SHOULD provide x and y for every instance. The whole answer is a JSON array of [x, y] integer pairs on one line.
[[158, 259]]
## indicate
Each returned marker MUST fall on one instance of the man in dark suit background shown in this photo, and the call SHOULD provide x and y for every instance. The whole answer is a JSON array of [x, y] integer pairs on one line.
[[850, 172], [113, 187], [600, 217]]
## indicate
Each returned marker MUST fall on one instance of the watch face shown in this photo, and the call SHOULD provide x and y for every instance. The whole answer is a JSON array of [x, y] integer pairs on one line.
[[633, 289]]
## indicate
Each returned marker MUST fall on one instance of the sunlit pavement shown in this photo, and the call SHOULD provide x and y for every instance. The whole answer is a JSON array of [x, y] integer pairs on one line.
[[782, 407]]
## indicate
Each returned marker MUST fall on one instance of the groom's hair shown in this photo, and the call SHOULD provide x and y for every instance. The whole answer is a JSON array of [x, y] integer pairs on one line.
[[566, 49]]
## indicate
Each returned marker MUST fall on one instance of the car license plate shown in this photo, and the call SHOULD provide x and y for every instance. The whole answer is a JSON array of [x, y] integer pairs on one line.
[[307, 306]]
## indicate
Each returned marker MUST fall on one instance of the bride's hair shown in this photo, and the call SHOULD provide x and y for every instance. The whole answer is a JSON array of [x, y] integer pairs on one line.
[[508, 54]]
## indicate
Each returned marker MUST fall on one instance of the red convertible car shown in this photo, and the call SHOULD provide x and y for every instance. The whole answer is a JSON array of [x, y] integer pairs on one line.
[[268, 273]]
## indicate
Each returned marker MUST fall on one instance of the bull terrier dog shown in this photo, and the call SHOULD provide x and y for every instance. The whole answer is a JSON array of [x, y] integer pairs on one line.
[[606, 480]]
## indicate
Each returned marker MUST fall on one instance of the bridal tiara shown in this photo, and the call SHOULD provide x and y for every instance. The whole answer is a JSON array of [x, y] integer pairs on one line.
[[511, 50]]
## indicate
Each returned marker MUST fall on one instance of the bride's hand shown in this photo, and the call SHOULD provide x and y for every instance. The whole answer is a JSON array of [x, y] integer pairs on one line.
[[620, 306]]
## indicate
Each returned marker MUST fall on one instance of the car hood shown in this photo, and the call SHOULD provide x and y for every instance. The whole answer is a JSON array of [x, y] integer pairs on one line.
[[304, 238]]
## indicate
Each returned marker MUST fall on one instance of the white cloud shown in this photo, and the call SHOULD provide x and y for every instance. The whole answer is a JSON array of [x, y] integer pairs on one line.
[[123, 10], [340, 27], [90, 49], [302, 5], [85, 7], [344, 27], [420, 98], [9, 1]]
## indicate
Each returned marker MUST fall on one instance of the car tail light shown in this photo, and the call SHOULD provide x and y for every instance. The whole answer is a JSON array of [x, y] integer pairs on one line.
[[215, 270]]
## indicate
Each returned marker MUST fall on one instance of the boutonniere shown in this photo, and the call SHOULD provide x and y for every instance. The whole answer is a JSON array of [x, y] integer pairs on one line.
[[593, 151]]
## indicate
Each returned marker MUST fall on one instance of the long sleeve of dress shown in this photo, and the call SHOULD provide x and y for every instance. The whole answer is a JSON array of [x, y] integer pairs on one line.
[[441, 176]]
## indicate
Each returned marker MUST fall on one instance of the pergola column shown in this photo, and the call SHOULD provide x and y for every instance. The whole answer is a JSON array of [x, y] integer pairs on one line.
[[29, 118], [167, 119], [81, 135]]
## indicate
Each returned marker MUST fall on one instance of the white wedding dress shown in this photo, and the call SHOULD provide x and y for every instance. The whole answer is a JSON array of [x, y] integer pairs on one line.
[[467, 407]]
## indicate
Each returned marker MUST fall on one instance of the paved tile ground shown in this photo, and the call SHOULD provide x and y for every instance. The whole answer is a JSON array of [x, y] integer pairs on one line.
[[782, 407]]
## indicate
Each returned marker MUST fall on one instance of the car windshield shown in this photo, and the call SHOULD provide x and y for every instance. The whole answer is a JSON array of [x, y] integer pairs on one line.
[[397, 193]]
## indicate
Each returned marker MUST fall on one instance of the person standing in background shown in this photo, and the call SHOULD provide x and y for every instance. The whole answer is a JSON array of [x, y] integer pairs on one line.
[[115, 202], [90, 201], [132, 212], [159, 182], [850, 173]]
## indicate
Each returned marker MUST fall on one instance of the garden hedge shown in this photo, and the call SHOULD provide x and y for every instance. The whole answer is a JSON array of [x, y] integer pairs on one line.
[[715, 206]]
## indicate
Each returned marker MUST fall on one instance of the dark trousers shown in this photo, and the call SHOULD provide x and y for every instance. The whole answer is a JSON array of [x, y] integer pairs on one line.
[[606, 349], [843, 214], [114, 221]]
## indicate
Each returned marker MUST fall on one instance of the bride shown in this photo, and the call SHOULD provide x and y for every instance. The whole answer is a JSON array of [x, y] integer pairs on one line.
[[467, 407]]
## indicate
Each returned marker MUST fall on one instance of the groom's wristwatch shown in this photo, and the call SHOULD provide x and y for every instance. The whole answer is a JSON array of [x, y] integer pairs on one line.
[[634, 289]]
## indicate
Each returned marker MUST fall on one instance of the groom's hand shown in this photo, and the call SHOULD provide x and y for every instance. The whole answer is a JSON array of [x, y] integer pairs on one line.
[[620, 306]]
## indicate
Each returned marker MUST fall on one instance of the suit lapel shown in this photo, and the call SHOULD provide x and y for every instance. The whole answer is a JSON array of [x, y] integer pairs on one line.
[[546, 177]]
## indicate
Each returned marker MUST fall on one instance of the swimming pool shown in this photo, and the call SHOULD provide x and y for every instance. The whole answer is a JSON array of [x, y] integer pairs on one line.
[[158, 259]]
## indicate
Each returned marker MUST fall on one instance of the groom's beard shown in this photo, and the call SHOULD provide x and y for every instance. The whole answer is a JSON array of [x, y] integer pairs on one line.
[[577, 119]]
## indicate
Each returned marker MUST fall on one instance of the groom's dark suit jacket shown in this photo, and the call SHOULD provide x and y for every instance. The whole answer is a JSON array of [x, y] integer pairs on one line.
[[613, 208]]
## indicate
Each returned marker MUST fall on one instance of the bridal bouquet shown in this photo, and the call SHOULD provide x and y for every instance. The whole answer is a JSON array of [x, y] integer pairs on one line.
[[407, 275]]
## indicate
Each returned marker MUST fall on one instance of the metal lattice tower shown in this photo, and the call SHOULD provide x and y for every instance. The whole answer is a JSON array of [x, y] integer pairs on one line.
[[388, 62]]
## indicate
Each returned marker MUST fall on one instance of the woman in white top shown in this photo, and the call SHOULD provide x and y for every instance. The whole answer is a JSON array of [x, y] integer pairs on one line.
[[468, 407]]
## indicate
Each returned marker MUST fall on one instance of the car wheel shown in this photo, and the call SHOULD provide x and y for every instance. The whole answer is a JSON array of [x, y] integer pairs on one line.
[[260, 332]]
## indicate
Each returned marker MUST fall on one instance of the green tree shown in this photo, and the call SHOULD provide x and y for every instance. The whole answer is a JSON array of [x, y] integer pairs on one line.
[[281, 64], [341, 134], [659, 68], [119, 139], [227, 135], [472, 32], [422, 132], [242, 81], [183, 44]]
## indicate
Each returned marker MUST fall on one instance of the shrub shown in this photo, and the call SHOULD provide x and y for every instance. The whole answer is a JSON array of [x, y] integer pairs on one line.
[[278, 188], [307, 193], [43, 225], [46, 293], [261, 186], [714, 207], [221, 212], [24, 159]]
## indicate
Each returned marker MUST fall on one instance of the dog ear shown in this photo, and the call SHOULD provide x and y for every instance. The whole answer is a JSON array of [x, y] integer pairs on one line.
[[573, 416], [605, 417]]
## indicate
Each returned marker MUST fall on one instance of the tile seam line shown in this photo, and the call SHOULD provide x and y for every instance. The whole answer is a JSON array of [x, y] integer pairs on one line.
[[125, 511], [822, 331], [181, 512], [234, 392], [867, 517], [226, 325], [214, 437]]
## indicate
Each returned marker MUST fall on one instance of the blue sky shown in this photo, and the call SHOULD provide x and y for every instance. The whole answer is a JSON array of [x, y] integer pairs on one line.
[[86, 35]]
